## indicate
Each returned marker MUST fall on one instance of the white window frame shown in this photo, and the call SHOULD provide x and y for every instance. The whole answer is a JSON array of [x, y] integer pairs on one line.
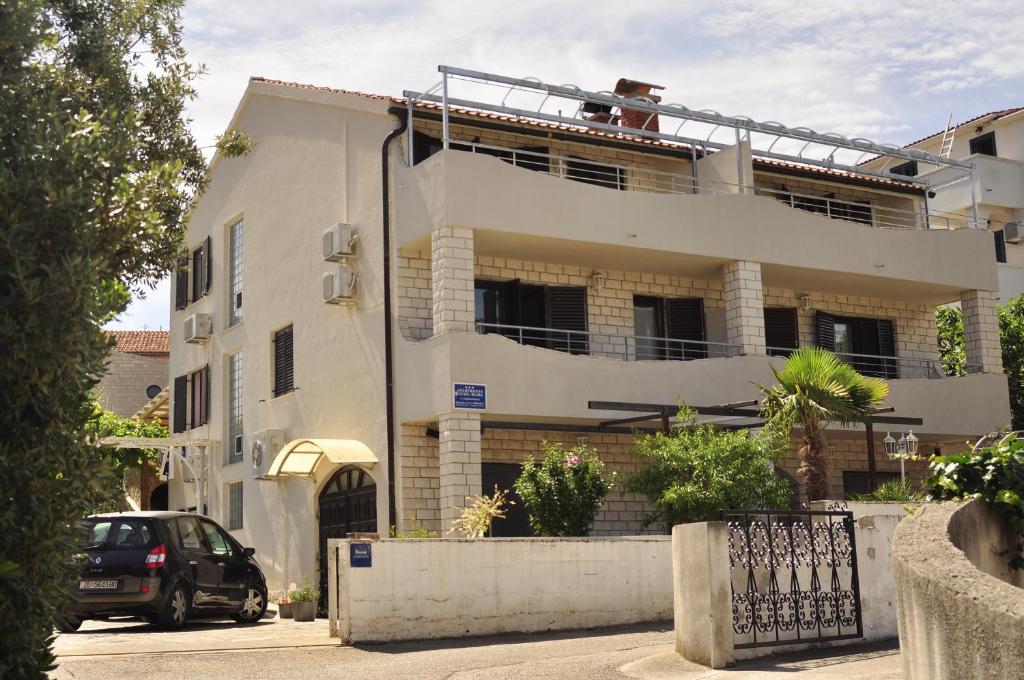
[[236, 270], [235, 449]]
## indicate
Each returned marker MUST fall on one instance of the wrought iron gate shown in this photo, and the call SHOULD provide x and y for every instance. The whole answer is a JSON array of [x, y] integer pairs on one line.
[[794, 577]]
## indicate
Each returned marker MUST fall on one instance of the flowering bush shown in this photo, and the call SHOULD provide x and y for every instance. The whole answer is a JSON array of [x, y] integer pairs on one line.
[[480, 512], [563, 492]]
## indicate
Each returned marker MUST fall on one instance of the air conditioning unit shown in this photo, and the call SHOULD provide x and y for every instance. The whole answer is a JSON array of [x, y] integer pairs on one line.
[[338, 242], [339, 286], [265, 445], [198, 328], [1013, 232]]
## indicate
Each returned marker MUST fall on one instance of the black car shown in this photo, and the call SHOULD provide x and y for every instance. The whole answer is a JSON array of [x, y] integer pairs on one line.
[[166, 567]]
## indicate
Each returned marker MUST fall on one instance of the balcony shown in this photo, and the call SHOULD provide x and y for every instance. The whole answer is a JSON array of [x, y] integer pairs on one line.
[[998, 183], [670, 223], [536, 383]]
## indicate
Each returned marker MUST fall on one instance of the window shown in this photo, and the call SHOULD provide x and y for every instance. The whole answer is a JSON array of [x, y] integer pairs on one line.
[[191, 535], [217, 539], [908, 169], [829, 206], [984, 144], [856, 482], [235, 408], [424, 146], [284, 366], [181, 284], [199, 397], [1000, 239], [780, 331], [235, 268], [595, 173], [201, 270], [234, 507], [532, 314], [668, 328], [870, 342]]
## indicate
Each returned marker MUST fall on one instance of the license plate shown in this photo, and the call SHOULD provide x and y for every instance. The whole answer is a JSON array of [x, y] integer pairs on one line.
[[98, 585]]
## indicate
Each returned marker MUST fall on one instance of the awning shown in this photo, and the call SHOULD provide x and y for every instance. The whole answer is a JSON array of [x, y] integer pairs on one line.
[[300, 457]]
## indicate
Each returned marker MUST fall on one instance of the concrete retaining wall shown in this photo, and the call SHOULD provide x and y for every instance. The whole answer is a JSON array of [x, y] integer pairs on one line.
[[434, 588], [961, 612]]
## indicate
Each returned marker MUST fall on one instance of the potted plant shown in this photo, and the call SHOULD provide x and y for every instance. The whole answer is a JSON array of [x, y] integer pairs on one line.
[[304, 600], [284, 607]]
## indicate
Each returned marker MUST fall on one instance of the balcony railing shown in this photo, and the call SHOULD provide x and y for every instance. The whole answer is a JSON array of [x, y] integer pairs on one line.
[[892, 368], [650, 180], [611, 345]]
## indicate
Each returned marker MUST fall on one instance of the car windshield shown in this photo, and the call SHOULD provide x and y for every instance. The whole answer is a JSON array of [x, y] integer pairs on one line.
[[121, 533]]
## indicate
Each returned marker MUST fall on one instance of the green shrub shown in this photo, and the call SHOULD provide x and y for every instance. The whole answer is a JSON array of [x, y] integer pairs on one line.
[[697, 470], [307, 592], [994, 474], [893, 491], [417, 530], [563, 491]]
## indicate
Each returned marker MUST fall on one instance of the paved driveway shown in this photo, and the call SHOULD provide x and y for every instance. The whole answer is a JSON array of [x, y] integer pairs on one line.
[[125, 636]]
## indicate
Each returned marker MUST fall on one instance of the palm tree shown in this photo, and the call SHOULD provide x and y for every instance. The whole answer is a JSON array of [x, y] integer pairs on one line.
[[816, 388]]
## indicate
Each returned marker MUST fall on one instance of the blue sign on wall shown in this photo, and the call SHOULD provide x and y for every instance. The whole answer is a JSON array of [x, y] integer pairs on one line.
[[360, 555], [469, 396]]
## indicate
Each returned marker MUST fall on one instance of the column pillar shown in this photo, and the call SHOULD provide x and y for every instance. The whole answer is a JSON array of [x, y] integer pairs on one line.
[[451, 258], [981, 332], [459, 435], [744, 306]]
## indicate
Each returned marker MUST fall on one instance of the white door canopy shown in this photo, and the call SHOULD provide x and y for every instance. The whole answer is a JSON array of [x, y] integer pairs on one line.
[[300, 457]]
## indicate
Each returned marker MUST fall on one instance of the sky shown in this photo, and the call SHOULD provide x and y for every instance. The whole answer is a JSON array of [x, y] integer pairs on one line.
[[891, 71]]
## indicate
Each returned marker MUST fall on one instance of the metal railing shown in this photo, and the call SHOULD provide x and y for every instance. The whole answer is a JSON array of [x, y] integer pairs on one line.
[[891, 367], [650, 180], [611, 345]]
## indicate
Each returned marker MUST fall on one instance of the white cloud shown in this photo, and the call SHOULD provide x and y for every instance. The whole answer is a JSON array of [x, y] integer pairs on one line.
[[875, 68]]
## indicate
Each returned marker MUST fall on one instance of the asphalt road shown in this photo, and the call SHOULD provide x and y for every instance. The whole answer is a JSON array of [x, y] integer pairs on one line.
[[635, 652]]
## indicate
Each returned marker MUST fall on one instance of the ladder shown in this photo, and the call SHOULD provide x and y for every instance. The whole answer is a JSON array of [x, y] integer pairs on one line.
[[946, 147]]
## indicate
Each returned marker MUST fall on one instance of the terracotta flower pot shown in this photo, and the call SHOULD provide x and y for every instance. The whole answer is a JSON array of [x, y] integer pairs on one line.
[[284, 610], [303, 611]]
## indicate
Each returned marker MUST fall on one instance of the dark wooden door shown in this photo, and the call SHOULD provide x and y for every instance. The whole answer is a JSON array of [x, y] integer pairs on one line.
[[348, 504], [504, 475]]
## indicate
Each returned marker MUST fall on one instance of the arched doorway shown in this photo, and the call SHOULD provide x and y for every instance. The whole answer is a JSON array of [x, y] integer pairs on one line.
[[348, 503], [158, 498]]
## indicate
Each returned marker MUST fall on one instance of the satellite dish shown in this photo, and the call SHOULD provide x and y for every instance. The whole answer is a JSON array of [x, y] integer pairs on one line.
[[257, 453]]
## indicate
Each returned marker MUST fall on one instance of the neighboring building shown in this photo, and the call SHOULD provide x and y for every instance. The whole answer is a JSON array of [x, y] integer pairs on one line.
[[136, 372], [556, 263], [994, 143]]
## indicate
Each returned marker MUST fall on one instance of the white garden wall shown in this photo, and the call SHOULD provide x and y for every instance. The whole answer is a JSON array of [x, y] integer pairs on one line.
[[435, 588]]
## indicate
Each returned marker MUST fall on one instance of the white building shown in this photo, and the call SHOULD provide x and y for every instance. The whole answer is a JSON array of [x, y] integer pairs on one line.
[[555, 260]]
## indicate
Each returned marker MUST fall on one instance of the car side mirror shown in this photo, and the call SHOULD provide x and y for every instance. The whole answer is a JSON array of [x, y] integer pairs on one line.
[[248, 552]]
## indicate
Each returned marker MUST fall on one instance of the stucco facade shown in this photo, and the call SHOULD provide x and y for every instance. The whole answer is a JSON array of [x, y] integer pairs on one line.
[[458, 223]]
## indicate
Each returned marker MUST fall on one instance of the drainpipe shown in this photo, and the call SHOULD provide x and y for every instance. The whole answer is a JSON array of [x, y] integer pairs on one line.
[[389, 369]]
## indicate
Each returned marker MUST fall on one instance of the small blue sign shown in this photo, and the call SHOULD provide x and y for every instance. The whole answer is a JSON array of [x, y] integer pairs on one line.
[[469, 396], [360, 555]]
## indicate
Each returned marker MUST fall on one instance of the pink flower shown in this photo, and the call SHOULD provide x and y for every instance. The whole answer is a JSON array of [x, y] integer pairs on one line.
[[573, 460]]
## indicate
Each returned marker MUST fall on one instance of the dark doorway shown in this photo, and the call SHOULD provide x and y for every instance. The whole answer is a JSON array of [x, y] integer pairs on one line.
[[158, 498], [504, 475], [348, 504]]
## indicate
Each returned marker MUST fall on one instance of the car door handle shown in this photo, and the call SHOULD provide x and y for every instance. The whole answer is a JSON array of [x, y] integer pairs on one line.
[[193, 563]]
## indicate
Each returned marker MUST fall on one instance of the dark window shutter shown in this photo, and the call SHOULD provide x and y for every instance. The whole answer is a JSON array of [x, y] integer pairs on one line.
[[887, 348], [284, 370], [181, 284], [685, 321], [826, 325], [198, 270], [180, 403], [208, 261], [1000, 239], [780, 330], [205, 413], [567, 311]]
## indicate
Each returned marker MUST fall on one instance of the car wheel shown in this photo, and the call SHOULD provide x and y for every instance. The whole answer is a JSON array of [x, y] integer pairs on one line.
[[176, 608], [68, 623], [254, 605]]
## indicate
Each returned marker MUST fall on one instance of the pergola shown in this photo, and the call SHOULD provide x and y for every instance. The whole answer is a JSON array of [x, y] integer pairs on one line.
[[167, 445]]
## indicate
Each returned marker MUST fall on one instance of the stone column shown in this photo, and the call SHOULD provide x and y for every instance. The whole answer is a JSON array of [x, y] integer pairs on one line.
[[744, 306], [702, 593], [981, 331], [459, 434], [451, 251]]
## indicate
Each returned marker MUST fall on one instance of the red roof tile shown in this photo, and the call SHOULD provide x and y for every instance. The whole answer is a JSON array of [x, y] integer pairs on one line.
[[142, 342]]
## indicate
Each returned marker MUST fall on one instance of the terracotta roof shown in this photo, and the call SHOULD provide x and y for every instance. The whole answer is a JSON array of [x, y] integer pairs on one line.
[[996, 115], [142, 342], [579, 129]]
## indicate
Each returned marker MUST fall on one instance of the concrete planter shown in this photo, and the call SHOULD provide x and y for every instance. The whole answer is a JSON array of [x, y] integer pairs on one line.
[[284, 610], [303, 611]]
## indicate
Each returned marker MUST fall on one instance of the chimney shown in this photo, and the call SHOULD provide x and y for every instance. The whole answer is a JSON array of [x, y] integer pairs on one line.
[[635, 118]]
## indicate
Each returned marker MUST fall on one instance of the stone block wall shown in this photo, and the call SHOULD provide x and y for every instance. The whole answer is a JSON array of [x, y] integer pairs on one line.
[[123, 388]]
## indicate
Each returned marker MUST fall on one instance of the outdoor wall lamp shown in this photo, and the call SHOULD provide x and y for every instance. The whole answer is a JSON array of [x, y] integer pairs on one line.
[[905, 446]]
